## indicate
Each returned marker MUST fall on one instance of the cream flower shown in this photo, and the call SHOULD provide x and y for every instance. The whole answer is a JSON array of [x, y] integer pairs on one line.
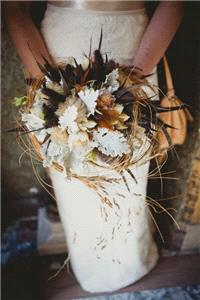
[[72, 101], [112, 81], [112, 143], [58, 135], [89, 97], [71, 114], [78, 139], [81, 120]]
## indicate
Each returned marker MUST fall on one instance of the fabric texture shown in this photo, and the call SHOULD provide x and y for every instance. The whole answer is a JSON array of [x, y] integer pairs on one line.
[[110, 247]]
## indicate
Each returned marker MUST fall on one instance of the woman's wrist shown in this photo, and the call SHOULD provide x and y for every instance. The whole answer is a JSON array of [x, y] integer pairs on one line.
[[158, 35]]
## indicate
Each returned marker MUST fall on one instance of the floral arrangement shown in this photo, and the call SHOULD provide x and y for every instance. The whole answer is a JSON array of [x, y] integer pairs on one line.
[[97, 114]]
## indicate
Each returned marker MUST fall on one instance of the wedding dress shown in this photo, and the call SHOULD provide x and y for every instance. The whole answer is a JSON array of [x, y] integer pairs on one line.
[[109, 247]]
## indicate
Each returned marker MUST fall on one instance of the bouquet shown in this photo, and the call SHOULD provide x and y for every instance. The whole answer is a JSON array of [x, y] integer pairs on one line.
[[85, 119], [97, 121]]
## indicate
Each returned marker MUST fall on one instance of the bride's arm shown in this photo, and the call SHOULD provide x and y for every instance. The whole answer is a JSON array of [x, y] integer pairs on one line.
[[25, 35], [158, 35]]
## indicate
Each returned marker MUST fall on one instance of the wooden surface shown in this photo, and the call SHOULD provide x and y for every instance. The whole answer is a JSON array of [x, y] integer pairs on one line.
[[170, 271]]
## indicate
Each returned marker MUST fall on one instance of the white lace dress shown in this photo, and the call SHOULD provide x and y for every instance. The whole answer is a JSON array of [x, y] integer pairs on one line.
[[109, 247]]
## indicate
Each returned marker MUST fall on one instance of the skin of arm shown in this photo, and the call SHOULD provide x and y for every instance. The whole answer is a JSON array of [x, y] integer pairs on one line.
[[158, 35], [26, 38]]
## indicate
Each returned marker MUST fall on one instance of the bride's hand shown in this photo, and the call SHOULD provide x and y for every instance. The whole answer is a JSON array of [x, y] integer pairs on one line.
[[26, 38]]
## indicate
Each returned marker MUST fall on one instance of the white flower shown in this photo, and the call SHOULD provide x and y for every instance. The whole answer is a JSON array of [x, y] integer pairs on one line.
[[74, 119], [111, 143], [68, 120], [37, 108], [112, 81], [32, 121], [89, 97], [54, 152]]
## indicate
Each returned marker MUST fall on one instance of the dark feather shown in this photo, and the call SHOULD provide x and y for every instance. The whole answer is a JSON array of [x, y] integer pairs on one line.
[[17, 129], [43, 69], [65, 85], [125, 96], [79, 74], [98, 59], [125, 181], [100, 41], [53, 72], [54, 98], [165, 124], [110, 66], [99, 67], [69, 75], [168, 138], [29, 131], [161, 109], [106, 58], [76, 62], [121, 92], [51, 119], [46, 151], [132, 175], [46, 138], [90, 51]]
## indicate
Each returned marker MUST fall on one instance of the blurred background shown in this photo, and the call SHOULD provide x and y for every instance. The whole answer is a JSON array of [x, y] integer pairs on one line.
[[32, 238]]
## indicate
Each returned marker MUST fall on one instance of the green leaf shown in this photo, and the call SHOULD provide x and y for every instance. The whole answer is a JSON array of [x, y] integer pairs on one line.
[[20, 101]]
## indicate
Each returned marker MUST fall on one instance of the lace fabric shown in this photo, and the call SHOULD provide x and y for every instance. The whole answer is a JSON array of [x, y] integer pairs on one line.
[[72, 30]]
